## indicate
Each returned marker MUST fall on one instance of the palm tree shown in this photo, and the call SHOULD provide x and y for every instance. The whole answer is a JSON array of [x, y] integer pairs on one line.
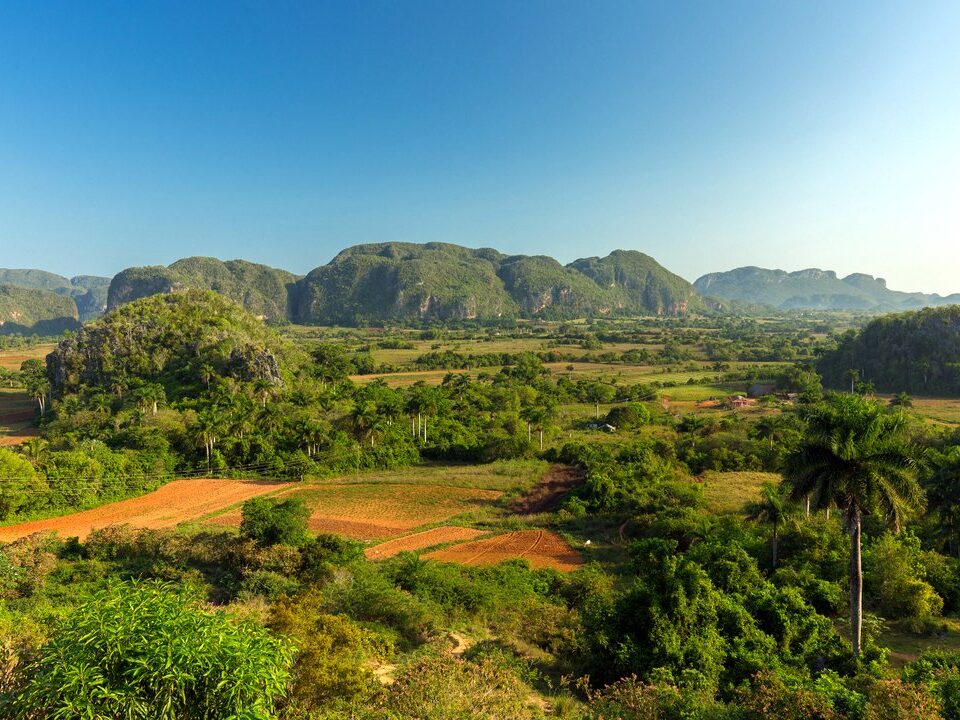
[[854, 455], [209, 422], [774, 508]]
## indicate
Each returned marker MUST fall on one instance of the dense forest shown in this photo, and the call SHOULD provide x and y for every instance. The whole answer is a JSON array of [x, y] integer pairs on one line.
[[738, 561], [916, 352]]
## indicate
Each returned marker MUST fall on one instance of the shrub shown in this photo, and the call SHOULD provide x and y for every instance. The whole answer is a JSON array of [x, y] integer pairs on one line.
[[139, 650], [445, 688], [271, 522], [333, 653]]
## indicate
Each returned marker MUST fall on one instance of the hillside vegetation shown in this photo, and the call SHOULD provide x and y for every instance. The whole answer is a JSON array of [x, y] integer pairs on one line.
[[89, 292], [437, 281], [915, 352], [172, 340], [259, 289], [813, 289], [29, 311]]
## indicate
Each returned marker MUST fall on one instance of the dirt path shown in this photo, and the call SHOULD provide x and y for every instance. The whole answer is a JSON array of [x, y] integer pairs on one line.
[[549, 491], [175, 502]]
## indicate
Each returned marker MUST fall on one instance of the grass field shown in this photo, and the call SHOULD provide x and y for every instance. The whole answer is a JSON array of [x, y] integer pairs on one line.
[[12, 359], [728, 492], [906, 646]]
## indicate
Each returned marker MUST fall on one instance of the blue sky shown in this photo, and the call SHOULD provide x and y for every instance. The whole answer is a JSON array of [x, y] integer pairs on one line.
[[710, 135]]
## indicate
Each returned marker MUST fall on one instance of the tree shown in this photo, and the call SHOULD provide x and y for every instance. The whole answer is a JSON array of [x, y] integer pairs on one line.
[[774, 509], [854, 376], [208, 427], [274, 522], [854, 455], [901, 399], [34, 376], [150, 396], [19, 484], [141, 650]]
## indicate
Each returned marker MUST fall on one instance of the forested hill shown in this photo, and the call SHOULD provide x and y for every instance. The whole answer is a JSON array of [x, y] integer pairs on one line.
[[913, 352], [814, 289], [177, 341], [260, 289], [405, 282], [29, 311], [89, 292]]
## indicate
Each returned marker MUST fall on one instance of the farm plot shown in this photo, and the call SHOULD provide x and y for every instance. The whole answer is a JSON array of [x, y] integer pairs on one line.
[[421, 540], [541, 548], [17, 412], [380, 510], [174, 503], [12, 359]]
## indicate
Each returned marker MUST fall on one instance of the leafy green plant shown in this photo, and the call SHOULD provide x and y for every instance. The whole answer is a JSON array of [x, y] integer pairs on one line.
[[140, 650]]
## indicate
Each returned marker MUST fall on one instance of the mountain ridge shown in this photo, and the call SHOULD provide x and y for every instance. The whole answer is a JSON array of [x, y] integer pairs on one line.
[[814, 289]]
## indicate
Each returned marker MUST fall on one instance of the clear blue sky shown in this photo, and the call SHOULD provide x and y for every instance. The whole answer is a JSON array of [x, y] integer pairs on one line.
[[707, 134]]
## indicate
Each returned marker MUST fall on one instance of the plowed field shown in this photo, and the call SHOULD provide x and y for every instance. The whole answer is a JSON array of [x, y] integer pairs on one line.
[[376, 511], [541, 548], [172, 504], [417, 541]]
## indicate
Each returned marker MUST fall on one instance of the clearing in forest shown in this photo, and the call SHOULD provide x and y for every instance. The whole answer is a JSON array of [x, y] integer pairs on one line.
[[421, 540], [541, 548], [174, 503], [728, 492]]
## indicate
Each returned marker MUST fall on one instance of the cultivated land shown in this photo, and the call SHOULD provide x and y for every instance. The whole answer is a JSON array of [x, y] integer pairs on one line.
[[381, 505], [17, 414], [541, 548], [421, 541], [12, 359], [174, 503]]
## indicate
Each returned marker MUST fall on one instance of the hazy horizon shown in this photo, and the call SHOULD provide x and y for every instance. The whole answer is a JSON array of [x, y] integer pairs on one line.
[[709, 137]]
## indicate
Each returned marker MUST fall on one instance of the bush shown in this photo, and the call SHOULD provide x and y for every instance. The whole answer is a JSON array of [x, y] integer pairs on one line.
[[139, 650], [272, 522], [333, 653], [445, 688]]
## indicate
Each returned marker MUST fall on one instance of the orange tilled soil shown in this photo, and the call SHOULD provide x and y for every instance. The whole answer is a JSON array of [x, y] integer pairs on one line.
[[174, 503], [18, 436], [348, 527], [419, 540], [541, 548], [378, 511]]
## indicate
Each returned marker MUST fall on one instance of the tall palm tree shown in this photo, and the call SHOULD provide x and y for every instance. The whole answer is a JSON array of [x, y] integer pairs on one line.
[[774, 508], [855, 455]]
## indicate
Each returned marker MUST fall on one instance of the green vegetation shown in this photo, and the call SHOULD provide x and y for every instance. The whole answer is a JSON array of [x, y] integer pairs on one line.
[[142, 651], [28, 311], [913, 352], [259, 289], [88, 292], [790, 555]]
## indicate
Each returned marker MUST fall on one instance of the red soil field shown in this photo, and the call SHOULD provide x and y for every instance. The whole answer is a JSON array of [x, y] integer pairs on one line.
[[172, 504], [18, 436], [541, 548], [377, 511], [425, 539]]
